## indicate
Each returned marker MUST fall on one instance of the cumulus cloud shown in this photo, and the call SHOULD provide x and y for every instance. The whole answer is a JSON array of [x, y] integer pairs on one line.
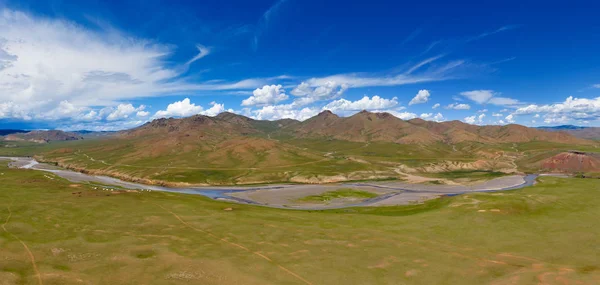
[[489, 97], [497, 115], [430, 116], [124, 111], [215, 109], [475, 119], [310, 93], [284, 111], [421, 97], [435, 106], [456, 106], [267, 95], [366, 103], [183, 108], [403, 115], [572, 109]]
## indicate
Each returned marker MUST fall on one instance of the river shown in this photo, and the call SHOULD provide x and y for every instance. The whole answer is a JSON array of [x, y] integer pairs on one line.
[[392, 193]]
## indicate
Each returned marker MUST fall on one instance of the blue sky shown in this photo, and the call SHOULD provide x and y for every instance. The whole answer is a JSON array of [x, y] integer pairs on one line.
[[107, 65]]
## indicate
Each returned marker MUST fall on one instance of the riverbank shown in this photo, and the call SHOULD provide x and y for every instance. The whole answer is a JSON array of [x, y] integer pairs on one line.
[[287, 196]]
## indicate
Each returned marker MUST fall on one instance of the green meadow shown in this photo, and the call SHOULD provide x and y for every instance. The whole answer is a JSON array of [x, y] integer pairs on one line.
[[56, 232]]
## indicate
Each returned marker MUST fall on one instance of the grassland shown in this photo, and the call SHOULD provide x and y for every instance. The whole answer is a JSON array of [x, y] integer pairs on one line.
[[343, 193], [56, 232], [288, 160], [472, 175]]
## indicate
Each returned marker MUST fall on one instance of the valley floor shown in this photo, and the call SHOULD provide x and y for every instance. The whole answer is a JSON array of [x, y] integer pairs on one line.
[[58, 232]]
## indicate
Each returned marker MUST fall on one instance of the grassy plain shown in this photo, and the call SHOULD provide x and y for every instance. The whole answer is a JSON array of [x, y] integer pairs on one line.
[[56, 232], [288, 159]]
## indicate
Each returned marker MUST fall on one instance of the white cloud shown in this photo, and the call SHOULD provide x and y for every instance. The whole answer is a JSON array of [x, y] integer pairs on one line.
[[430, 116], [435, 106], [572, 109], [482, 111], [478, 96], [596, 86], [536, 116], [215, 109], [489, 97], [497, 115], [475, 119], [310, 93], [510, 118], [203, 51], [421, 97], [267, 95], [186, 108], [59, 67], [403, 115], [183, 108], [123, 111], [330, 87], [286, 111], [470, 120], [456, 106], [366, 103]]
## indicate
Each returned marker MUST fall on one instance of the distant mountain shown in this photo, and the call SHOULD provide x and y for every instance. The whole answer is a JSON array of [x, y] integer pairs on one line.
[[367, 126], [562, 127], [43, 136], [8, 132], [591, 133]]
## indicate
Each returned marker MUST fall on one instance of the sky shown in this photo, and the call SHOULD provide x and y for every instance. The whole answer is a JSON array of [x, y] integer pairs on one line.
[[111, 65]]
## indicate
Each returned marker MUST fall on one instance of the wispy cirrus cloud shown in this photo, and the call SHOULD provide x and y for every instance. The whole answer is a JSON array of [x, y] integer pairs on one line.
[[499, 30], [47, 64], [264, 21]]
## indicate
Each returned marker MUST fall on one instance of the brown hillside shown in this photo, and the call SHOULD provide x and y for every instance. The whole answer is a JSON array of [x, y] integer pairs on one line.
[[573, 162], [44, 136], [364, 126], [360, 127]]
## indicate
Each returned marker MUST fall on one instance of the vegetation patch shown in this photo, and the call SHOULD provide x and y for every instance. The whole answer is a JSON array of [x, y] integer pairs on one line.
[[343, 193], [470, 174]]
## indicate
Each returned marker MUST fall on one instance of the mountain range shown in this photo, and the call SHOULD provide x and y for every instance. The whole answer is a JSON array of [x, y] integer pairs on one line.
[[592, 133], [360, 127], [234, 149]]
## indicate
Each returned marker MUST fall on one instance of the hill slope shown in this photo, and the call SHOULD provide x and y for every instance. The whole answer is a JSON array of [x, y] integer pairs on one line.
[[233, 149], [43, 136], [366, 126]]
